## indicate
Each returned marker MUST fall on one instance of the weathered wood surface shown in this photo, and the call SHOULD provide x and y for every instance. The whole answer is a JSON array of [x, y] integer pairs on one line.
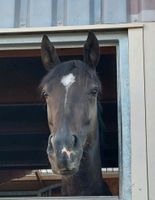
[[7, 175]]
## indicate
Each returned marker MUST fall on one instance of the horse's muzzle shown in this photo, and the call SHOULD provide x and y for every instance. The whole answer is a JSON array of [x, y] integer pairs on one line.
[[65, 172], [63, 165], [64, 155]]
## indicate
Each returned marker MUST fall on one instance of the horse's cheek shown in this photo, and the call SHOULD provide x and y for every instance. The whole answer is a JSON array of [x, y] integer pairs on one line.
[[48, 112], [92, 108]]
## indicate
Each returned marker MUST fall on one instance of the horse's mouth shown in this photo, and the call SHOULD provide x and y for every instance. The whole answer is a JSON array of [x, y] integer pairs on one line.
[[68, 172]]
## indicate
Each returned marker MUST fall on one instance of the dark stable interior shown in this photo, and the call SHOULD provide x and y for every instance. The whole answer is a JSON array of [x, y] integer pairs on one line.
[[23, 121]]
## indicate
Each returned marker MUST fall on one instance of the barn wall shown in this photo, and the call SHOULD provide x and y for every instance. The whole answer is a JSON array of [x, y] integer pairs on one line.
[[142, 94], [137, 112], [142, 83], [149, 75], [31, 13]]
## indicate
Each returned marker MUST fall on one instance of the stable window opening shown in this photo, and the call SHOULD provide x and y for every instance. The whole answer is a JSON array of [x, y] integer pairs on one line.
[[24, 130]]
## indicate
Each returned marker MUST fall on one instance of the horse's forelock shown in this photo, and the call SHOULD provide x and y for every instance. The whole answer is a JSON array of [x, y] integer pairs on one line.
[[75, 66]]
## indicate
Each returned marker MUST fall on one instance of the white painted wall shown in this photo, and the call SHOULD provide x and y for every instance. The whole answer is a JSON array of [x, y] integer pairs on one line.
[[137, 113], [142, 91], [149, 75]]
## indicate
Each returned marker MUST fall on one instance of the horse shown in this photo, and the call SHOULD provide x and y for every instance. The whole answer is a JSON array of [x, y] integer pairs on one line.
[[71, 91]]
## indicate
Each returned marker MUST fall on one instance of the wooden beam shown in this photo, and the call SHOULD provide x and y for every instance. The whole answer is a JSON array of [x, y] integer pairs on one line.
[[61, 52]]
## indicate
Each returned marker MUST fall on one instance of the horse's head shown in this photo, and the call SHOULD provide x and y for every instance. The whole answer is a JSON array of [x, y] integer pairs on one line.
[[70, 89]]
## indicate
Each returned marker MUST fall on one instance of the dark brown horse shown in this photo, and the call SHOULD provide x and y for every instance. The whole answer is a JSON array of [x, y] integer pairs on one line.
[[71, 89]]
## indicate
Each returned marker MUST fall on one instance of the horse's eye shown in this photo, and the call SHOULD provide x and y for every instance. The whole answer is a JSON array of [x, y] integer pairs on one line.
[[94, 91], [44, 94]]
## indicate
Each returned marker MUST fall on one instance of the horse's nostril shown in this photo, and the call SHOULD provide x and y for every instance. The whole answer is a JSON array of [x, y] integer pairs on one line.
[[75, 140]]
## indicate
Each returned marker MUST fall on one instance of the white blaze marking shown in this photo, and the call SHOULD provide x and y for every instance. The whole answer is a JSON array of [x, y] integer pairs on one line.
[[67, 81], [64, 150]]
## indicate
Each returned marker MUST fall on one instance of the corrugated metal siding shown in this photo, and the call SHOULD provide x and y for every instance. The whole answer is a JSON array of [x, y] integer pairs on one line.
[[7, 13], [39, 13]]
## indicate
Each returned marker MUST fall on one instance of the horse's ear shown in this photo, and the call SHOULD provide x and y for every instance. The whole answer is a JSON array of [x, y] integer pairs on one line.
[[91, 50], [48, 54]]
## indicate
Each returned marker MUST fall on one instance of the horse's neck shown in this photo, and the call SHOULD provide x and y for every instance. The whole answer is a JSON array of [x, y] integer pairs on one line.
[[88, 181]]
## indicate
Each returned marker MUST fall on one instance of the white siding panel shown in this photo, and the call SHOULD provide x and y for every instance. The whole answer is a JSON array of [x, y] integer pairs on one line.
[[149, 40], [138, 121]]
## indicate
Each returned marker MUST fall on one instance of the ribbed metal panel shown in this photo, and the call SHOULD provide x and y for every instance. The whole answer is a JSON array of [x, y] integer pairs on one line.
[[7, 13], [39, 13]]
